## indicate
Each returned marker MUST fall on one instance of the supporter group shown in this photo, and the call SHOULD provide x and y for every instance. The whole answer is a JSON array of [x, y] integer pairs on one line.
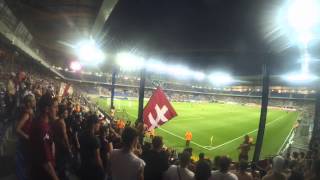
[[59, 137]]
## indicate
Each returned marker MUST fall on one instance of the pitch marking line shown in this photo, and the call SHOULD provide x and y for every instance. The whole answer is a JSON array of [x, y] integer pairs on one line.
[[192, 142], [290, 135], [210, 148], [228, 142]]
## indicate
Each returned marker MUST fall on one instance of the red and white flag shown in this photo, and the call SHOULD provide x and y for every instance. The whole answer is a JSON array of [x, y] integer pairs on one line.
[[158, 110], [65, 89]]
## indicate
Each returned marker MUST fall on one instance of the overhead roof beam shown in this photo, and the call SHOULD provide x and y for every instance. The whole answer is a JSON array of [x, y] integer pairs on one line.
[[103, 15]]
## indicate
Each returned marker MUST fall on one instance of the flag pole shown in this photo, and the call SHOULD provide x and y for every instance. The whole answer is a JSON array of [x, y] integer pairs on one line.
[[141, 94]]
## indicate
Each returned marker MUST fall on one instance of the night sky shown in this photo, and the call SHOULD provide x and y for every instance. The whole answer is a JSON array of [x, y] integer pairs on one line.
[[204, 34]]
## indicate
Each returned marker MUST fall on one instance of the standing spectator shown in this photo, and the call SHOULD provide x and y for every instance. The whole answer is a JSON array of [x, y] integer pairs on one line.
[[125, 165], [23, 131], [180, 172], [245, 148], [11, 95], [201, 157], [242, 173], [277, 168], [216, 162], [156, 160], [75, 130], [41, 142], [106, 147], [91, 163], [62, 146], [121, 125], [223, 172], [203, 170]]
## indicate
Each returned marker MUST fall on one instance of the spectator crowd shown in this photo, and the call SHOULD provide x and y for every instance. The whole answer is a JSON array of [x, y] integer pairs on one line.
[[59, 137]]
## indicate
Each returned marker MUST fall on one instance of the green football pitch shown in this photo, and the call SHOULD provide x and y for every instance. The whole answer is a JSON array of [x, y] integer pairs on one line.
[[226, 124]]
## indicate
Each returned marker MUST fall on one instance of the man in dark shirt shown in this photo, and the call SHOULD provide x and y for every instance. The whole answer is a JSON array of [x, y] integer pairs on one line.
[[156, 160], [244, 148], [91, 163]]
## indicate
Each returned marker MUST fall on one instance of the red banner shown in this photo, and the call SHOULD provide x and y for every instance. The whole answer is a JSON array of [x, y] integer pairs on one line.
[[158, 110]]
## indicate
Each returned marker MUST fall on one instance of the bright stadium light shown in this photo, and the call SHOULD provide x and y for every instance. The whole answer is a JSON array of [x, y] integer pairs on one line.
[[179, 71], [220, 78], [75, 66], [89, 53], [199, 76], [299, 19], [300, 77], [305, 63], [156, 66], [129, 62], [303, 15]]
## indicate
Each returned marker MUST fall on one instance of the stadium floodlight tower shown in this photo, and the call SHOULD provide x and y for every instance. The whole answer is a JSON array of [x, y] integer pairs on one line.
[[130, 61], [299, 20], [221, 79], [75, 66], [89, 52], [303, 75], [302, 20]]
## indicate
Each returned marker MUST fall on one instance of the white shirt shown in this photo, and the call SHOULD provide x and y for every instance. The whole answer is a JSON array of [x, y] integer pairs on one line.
[[125, 166], [217, 175], [172, 173]]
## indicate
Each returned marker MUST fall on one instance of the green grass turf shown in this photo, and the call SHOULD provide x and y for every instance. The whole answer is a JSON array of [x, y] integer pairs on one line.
[[224, 122]]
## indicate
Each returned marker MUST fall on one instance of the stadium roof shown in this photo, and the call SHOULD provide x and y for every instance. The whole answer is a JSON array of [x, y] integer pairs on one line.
[[203, 34]]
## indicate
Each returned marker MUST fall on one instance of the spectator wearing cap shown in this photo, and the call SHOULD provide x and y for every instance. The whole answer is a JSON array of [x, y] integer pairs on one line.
[[156, 160], [277, 170], [41, 141], [180, 172], [125, 165], [91, 163], [223, 172]]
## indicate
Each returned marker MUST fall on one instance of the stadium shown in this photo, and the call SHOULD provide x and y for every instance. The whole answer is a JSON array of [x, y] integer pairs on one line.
[[211, 117], [119, 89]]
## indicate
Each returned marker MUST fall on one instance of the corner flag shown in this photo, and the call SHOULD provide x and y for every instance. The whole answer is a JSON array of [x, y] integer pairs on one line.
[[158, 110]]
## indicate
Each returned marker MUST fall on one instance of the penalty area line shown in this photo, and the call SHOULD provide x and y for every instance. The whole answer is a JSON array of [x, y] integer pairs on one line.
[[228, 142], [210, 148]]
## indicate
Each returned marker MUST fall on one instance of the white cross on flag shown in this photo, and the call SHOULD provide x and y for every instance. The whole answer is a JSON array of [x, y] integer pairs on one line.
[[158, 110]]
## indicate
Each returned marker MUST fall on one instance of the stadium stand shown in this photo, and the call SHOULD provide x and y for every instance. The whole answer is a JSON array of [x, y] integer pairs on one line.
[[111, 134]]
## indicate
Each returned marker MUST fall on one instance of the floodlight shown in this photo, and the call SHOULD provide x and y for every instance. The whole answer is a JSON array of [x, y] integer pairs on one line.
[[156, 66], [75, 66], [305, 63], [299, 77], [221, 78], [299, 20], [179, 71], [199, 76], [303, 15], [129, 62], [89, 52]]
